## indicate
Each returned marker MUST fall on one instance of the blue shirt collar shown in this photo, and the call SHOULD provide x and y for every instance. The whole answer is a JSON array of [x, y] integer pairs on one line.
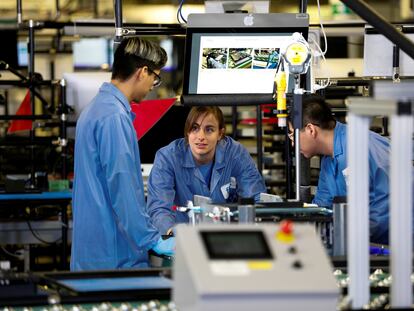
[[109, 87]]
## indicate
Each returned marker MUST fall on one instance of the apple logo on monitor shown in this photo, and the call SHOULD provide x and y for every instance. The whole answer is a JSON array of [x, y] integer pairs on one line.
[[248, 20]]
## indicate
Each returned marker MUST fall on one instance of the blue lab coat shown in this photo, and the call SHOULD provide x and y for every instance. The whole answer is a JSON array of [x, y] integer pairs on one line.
[[111, 228], [333, 174], [175, 179]]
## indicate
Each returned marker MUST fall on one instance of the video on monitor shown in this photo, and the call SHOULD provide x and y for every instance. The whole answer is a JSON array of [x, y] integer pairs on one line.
[[237, 64]]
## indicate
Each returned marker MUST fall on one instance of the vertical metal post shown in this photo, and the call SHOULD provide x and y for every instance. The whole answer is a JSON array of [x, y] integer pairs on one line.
[[32, 98], [118, 23], [57, 4], [395, 64], [297, 125], [297, 162], [304, 189], [52, 54], [386, 132], [63, 128], [95, 9], [288, 170], [339, 226], [19, 12], [259, 135], [31, 48], [401, 214], [358, 210], [303, 6], [6, 102]]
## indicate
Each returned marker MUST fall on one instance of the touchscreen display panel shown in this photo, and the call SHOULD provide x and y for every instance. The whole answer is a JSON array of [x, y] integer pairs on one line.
[[236, 245], [235, 64]]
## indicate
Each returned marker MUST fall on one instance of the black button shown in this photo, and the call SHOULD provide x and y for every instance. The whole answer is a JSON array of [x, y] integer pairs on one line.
[[297, 264], [292, 250]]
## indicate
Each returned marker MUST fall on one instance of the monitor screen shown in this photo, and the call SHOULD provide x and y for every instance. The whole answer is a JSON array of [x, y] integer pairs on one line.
[[168, 45], [22, 54], [239, 54], [91, 53], [236, 64], [236, 245]]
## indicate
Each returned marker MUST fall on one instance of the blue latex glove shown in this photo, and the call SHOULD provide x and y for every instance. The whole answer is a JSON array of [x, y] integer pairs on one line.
[[165, 247]]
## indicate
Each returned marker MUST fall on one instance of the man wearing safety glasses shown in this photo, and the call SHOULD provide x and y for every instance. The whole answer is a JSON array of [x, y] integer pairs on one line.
[[322, 135], [111, 228]]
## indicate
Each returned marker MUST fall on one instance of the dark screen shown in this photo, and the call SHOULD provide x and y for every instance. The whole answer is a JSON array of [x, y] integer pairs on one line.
[[236, 245], [337, 47], [8, 50], [167, 129]]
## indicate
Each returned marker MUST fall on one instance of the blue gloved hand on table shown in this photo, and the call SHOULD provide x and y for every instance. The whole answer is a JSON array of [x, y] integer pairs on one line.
[[165, 246]]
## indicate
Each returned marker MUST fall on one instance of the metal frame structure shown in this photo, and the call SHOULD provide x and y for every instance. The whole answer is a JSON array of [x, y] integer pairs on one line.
[[401, 180], [62, 199], [401, 199], [32, 82]]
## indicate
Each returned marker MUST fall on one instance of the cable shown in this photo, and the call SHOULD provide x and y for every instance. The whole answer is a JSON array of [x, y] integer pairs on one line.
[[38, 237], [323, 29], [181, 11], [324, 60], [180, 17], [15, 255]]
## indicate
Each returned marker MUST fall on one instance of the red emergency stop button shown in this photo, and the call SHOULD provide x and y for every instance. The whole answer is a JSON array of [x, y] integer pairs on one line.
[[285, 233], [286, 226]]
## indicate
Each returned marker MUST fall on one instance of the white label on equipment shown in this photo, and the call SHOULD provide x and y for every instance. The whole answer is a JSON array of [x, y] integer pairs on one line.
[[230, 268]]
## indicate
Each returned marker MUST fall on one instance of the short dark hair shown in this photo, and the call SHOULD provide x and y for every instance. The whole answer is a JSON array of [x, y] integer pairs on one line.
[[315, 110], [198, 111], [133, 53]]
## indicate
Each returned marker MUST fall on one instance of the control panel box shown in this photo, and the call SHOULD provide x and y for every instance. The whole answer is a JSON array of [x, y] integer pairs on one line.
[[243, 267]]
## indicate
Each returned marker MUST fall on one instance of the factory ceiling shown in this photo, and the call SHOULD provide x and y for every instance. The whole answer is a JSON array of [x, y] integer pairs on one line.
[[158, 11]]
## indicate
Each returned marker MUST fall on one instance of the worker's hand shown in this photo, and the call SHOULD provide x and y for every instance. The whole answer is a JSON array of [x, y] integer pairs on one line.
[[165, 246]]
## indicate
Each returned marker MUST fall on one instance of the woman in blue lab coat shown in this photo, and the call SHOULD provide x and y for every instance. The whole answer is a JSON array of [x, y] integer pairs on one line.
[[205, 162]]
